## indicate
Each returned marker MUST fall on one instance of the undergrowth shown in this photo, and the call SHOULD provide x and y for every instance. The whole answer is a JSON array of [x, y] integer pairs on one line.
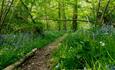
[[85, 50], [11, 53]]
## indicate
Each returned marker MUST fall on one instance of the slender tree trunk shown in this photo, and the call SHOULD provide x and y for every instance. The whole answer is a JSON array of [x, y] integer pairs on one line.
[[59, 15], [65, 23], [98, 11], [47, 23], [64, 17], [28, 11], [75, 17], [5, 13], [104, 12], [2, 8], [46, 17]]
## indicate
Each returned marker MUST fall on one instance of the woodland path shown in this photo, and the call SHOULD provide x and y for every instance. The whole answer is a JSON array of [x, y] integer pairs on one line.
[[41, 57]]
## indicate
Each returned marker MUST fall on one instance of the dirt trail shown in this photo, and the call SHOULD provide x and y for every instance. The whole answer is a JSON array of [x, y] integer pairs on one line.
[[40, 59]]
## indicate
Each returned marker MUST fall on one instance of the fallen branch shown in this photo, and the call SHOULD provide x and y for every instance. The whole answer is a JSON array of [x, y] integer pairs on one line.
[[13, 66]]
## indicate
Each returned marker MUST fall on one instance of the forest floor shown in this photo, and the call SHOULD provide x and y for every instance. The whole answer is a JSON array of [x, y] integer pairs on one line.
[[40, 60]]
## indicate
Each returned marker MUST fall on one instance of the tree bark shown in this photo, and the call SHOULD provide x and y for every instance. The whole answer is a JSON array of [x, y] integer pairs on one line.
[[28, 11], [104, 12], [59, 15], [75, 16], [98, 11], [5, 13], [64, 17]]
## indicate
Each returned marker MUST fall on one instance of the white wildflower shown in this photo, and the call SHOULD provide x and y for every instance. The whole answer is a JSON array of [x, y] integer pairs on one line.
[[14, 36], [102, 43], [57, 66], [106, 33], [85, 68], [81, 42], [78, 56], [70, 47]]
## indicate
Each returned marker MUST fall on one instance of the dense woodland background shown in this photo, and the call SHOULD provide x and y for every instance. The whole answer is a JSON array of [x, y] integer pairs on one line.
[[22, 15]]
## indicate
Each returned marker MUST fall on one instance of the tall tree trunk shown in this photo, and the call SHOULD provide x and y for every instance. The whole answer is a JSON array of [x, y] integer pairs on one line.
[[5, 13], [98, 12], [105, 11], [75, 16], [64, 17], [59, 15], [28, 11], [46, 17], [2, 8]]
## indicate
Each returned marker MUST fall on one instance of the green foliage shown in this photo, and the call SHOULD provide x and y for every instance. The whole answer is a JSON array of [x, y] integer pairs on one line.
[[80, 50], [23, 12], [34, 17], [10, 54]]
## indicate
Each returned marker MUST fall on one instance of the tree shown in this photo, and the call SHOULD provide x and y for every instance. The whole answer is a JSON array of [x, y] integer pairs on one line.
[[59, 15], [75, 15], [4, 12], [64, 16]]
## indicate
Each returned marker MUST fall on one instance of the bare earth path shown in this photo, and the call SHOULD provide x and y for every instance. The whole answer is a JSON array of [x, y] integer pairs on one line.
[[40, 59]]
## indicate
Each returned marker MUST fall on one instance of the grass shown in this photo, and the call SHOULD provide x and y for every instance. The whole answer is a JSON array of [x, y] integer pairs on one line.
[[85, 50], [11, 53]]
